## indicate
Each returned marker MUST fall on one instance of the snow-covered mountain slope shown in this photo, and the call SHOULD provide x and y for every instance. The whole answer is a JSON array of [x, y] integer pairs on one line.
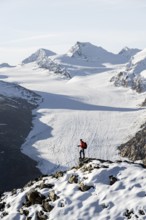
[[82, 59], [38, 56], [88, 107], [14, 90], [96, 190], [41, 58], [128, 52], [134, 75], [90, 52], [86, 58]]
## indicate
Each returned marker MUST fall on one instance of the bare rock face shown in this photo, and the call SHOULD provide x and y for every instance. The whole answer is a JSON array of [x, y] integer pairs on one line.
[[52, 195], [58, 174], [73, 179], [112, 179], [143, 103], [41, 216], [135, 149], [84, 187], [132, 76], [34, 197], [46, 206]]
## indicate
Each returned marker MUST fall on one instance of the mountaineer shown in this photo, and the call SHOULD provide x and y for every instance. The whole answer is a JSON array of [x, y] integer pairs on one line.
[[83, 146]]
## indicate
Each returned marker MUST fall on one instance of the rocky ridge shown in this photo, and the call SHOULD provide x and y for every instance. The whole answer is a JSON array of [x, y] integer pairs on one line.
[[128, 52], [42, 58], [53, 67], [134, 75], [17, 91], [95, 189], [135, 148], [38, 56]]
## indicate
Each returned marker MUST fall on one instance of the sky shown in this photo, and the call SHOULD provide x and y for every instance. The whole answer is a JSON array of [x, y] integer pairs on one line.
[[27, 25]]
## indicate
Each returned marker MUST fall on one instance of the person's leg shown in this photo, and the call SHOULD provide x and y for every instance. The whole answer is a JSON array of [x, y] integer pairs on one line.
[[83, 153]]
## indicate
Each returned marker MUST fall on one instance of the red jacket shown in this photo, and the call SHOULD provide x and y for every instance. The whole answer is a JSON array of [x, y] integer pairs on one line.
[[82, 144]]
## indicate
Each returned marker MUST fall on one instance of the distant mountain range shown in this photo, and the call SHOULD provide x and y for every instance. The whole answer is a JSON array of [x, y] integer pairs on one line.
[[84, 58], [92, 58], [86, 52], [2, 65]]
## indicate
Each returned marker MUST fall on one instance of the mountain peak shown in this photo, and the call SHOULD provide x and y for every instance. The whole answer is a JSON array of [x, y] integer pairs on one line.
[[38, 55], [87, 50], [129, 52]]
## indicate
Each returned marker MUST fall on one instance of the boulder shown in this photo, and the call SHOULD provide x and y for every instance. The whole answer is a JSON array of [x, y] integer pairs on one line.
[[58, 174], [52, 196], [45, 185], [73, 179], [112, 179], [84, 187], [34, 197], [41, 216], [46, 206]]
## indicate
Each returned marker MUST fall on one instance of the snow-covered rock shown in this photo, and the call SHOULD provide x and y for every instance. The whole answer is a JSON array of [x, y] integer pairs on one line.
[[135, 148], [41, 58], [102, 190], [38, 56], [134, 75], [53, 67]]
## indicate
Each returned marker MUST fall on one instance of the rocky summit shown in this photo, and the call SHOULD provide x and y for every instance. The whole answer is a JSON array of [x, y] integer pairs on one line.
[[95, 189]]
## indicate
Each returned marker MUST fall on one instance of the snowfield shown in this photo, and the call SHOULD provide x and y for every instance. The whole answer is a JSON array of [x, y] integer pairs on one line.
[[86, 106]]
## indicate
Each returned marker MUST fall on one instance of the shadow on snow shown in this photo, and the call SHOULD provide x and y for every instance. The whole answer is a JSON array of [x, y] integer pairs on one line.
[[57, 101]]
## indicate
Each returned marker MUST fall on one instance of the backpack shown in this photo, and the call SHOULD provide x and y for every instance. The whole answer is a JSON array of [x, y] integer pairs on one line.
[[85, 145]]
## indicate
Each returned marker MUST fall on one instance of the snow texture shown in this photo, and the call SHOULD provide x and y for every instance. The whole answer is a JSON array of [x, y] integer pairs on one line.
[[102, 190]]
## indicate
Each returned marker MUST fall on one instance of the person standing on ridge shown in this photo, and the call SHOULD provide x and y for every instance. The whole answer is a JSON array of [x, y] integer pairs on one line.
[[83, 146]]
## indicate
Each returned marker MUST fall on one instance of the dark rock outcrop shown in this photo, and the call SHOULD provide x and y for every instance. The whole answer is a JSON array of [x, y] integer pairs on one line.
[[73, 179], [135, 148], [34, 197], [112, 179]]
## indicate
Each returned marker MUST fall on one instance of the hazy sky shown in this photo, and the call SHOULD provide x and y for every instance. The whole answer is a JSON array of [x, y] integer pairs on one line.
[[27, 25]]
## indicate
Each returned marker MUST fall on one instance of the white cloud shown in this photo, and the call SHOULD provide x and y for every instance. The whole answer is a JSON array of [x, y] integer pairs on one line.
[[32, 38]]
